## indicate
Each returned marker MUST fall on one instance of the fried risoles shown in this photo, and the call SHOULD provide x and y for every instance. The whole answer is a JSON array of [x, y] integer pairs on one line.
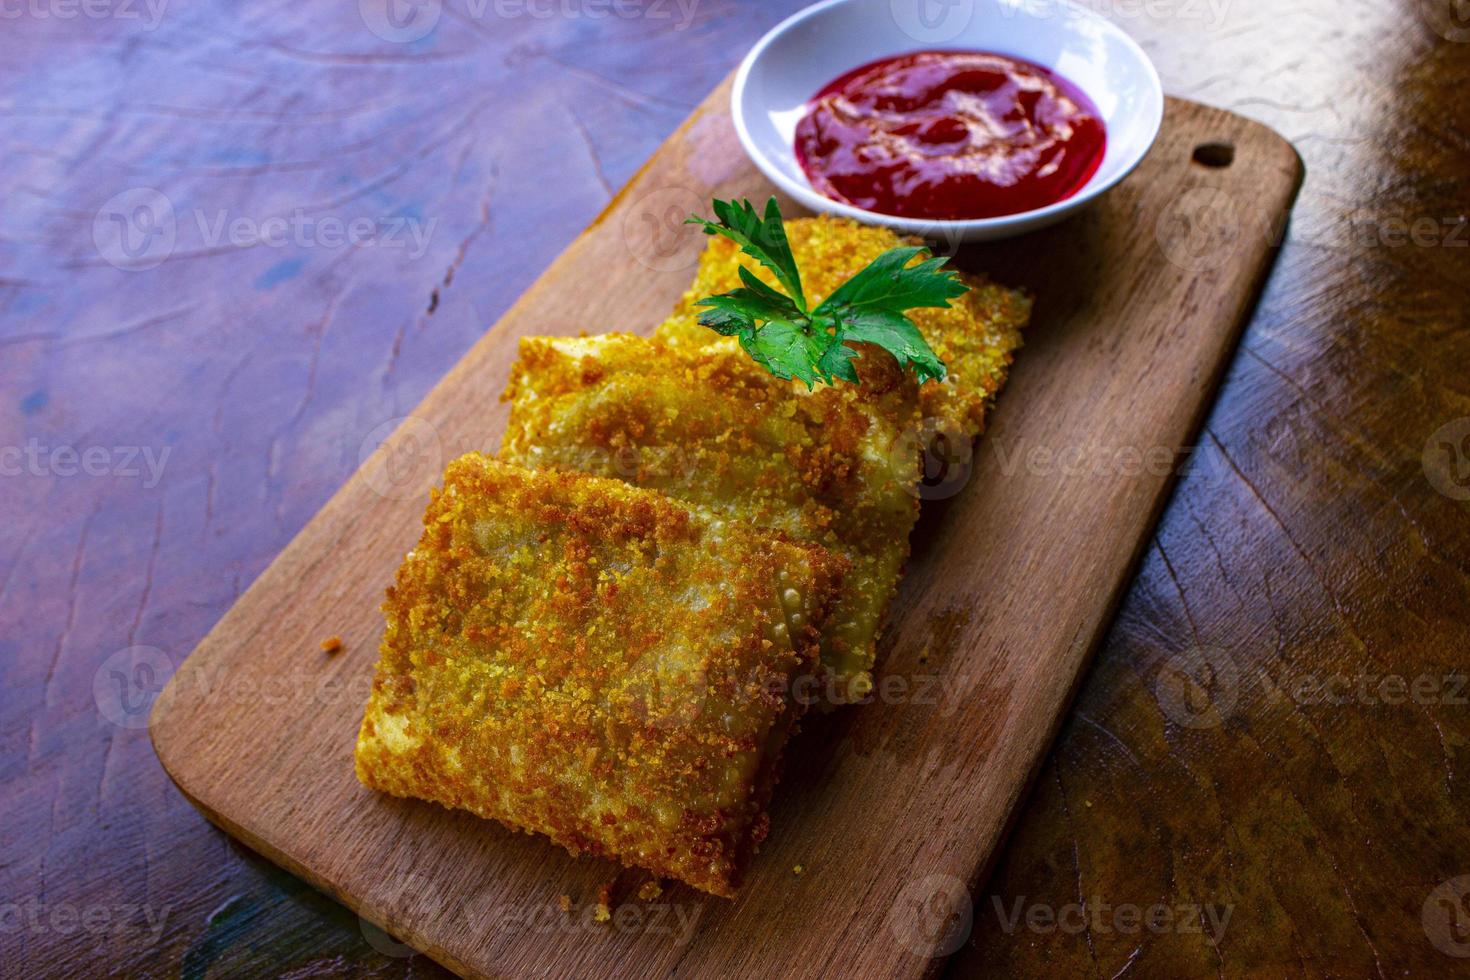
[[598, 663], [709, 426], [975, 337]]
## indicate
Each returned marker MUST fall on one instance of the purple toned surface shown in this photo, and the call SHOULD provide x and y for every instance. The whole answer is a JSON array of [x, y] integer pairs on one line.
[[164, 432]]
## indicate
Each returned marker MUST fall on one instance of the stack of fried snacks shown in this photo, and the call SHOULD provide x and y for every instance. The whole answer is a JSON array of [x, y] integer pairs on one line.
[[617, 663], [687, 412]]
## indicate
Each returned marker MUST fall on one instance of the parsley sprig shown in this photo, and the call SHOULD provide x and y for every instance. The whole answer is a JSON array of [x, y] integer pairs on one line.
[[793, 341]]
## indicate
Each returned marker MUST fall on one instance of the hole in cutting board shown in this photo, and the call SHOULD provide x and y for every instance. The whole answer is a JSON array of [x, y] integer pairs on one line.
[[1214, 154]]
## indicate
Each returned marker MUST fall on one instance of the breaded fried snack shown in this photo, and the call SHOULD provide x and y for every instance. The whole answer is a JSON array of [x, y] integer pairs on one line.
[[584, 659], [975, 336], [710, 426]]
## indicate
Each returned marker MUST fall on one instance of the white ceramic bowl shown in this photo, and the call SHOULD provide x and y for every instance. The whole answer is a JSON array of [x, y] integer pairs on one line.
[[807, 50]]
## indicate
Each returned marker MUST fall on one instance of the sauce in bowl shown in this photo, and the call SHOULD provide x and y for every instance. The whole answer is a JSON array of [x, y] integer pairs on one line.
[[950, 135]]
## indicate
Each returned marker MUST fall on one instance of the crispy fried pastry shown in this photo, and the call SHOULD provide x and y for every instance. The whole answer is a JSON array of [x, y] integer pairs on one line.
[[975, 337], [581, 658], [709, 426]]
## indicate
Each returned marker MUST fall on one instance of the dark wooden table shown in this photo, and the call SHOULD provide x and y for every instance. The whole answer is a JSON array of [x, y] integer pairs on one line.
[[1268, 769]]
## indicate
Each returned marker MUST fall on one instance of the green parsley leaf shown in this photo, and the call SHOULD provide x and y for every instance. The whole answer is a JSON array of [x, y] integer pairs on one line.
[[890, 283], [788, 350], [754, 284], [896, 334], [762, 239], [740, 308], [836, 362], [783, 336]]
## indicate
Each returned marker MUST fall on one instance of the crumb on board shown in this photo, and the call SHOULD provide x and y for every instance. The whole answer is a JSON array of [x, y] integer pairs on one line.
[[564, 902], [798, 869], [604, 903], [332, 643], [650, 890]]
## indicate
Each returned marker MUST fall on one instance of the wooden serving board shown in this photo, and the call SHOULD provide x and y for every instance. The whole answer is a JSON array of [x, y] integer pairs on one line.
[[894, 809]]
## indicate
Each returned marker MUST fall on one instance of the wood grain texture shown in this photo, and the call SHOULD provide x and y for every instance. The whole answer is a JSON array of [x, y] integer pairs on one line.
[[893, 808], [1325, 552]]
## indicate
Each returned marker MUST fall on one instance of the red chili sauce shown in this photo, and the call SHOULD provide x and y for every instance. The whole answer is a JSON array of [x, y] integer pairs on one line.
[[950, 135]]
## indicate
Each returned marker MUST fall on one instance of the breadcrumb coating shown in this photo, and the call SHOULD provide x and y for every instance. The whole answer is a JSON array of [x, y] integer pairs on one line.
[[581, 658], [709, 426], [975, 337]]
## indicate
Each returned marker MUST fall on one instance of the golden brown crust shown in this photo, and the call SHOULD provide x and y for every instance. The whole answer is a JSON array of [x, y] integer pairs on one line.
[[592, 661], [976, 337], [709, 426]]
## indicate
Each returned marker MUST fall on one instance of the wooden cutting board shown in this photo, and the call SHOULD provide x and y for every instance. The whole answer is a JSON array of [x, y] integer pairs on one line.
[[892, 810]]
